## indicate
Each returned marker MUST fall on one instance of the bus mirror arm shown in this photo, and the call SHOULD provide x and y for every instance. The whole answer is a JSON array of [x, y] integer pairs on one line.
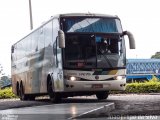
[[61, 37], [131, 39]]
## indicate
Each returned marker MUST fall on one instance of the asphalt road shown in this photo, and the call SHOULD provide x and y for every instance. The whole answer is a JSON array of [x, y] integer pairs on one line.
[[127, 106]]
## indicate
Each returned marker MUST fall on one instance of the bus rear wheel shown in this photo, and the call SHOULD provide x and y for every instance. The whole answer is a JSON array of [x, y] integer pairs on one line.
[[102, 95], [54, 97]]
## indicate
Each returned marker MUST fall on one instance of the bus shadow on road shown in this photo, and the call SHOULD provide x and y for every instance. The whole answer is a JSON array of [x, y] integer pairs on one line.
[[76, 100]]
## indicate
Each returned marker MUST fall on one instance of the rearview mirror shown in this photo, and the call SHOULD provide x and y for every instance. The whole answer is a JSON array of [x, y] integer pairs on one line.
[[61, 37], [131, 39]]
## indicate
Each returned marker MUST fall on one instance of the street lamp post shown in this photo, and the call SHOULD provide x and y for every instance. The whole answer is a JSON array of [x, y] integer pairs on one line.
[[30, 11]]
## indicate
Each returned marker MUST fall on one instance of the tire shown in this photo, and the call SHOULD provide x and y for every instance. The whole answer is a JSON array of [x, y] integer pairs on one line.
[[17, 89], [54, 97], [22, 95], [31, 97], [102, 95]]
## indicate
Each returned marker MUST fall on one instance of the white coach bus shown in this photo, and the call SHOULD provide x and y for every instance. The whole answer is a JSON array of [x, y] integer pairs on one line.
[[71, 55]]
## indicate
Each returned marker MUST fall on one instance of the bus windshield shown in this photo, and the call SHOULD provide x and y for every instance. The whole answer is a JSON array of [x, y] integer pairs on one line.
[[100, 25], [94, 51]]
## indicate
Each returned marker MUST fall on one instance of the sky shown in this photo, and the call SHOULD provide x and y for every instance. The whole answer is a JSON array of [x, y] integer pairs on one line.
[[141, 17]]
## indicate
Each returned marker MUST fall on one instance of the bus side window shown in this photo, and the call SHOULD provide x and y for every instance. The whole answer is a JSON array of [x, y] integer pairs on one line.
[[12, 50], [41, 39], [48, 34], [35, 41]]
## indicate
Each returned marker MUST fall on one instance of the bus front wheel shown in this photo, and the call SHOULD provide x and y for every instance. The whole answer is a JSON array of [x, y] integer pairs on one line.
[[54, 97], [102, 95], [21, 93]]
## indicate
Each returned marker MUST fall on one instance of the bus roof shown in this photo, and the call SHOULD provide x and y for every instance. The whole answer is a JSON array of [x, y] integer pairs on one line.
[[87, 15]]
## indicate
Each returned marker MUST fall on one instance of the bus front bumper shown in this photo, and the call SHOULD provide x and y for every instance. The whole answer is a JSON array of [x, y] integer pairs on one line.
[[95, 85]]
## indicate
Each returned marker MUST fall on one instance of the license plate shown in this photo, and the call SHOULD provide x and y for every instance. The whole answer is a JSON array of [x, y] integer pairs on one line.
[[97, 86]]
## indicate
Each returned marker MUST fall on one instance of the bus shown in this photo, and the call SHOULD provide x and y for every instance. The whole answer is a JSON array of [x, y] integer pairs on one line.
[[73, 54]]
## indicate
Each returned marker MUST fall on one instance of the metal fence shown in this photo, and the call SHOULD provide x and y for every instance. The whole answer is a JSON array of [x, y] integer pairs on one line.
[[143, 68]]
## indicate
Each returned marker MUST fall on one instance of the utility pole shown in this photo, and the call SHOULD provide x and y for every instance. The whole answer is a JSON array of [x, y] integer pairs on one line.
[[30, 11]]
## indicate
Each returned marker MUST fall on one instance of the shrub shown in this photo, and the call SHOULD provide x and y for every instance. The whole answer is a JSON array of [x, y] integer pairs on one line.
[[145, 87], [7, 93]]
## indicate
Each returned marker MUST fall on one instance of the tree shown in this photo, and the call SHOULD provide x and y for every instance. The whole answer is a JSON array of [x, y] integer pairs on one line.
[[4, 80], [156, 56]]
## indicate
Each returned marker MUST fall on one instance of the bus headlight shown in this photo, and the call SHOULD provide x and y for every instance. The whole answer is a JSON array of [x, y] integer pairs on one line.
[[72, 78], [119, 77]]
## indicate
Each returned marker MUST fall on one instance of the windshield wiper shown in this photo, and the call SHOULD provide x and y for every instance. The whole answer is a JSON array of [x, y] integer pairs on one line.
[[106, 58]]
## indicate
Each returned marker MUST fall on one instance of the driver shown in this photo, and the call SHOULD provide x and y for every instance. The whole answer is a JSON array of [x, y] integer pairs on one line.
[[104, 46]]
